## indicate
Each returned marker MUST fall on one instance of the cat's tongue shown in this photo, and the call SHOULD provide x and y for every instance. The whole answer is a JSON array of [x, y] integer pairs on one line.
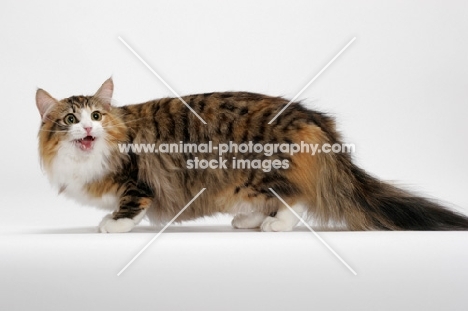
[[86, 143]]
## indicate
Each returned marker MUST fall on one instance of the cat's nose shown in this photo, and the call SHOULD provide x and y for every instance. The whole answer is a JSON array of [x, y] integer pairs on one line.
[[88, 130]]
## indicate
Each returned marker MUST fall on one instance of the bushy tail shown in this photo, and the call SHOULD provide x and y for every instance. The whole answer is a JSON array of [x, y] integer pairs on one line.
[[362, 202]]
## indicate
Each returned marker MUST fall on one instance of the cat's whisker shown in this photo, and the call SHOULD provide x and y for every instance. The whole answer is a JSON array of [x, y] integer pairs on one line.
[[116, 139], [123, 123], [54, 122], [56, 131]]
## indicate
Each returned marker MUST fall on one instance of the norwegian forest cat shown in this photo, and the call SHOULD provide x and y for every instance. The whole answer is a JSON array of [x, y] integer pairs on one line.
[[79, 142]]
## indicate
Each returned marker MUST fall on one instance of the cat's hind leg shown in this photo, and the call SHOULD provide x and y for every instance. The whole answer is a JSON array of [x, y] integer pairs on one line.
[[248, 220], [284, 220]]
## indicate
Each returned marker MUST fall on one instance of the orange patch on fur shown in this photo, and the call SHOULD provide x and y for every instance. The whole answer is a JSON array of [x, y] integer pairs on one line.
[[48, 146], [116, 130], [304, 166], [145, 202]]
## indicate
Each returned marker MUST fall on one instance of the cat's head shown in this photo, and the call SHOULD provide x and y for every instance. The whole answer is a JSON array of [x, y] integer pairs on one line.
[[78, 128]]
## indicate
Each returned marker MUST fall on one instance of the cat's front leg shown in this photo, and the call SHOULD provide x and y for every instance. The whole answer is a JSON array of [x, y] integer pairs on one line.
[[111, 225], [133, 205]]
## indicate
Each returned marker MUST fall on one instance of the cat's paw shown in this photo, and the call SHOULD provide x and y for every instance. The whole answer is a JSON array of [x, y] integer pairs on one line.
[[273, 224], [109, 225], [248, 221]]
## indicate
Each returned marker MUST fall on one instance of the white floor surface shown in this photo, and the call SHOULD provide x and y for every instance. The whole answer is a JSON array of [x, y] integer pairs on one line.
[[219, 268]]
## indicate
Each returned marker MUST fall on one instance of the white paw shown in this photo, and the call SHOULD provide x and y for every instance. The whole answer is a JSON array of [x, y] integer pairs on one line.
[[273, 224], [239, 221], [109, 225], [248, 221]]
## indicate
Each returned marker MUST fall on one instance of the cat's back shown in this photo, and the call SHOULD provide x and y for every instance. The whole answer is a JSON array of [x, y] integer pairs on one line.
[[206, 103], [237, 116]]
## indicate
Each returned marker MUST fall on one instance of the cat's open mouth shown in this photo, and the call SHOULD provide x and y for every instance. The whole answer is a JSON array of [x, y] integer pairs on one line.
[[85, 143]]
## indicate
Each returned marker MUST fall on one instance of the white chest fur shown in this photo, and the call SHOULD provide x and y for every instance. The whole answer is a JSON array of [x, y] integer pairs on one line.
[[72, 169], [107, 201]]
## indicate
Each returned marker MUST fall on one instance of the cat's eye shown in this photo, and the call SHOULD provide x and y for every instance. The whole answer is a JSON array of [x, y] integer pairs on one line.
[[96, 116], [70, 119]]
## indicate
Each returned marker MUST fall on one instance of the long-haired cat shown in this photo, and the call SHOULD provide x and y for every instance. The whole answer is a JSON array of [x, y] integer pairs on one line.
[[79, 142]]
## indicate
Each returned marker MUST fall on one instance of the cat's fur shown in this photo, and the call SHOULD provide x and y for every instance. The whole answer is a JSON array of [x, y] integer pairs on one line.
[[328, 186]]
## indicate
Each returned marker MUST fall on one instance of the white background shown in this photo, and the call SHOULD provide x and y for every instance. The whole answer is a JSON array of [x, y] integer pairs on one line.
[[399, 93]]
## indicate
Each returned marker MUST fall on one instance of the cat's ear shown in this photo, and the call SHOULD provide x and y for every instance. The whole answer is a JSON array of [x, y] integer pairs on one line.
[[105, 93], [44, 102]]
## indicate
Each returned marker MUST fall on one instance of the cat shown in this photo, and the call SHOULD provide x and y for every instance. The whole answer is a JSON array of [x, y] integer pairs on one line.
[[80, 141]]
